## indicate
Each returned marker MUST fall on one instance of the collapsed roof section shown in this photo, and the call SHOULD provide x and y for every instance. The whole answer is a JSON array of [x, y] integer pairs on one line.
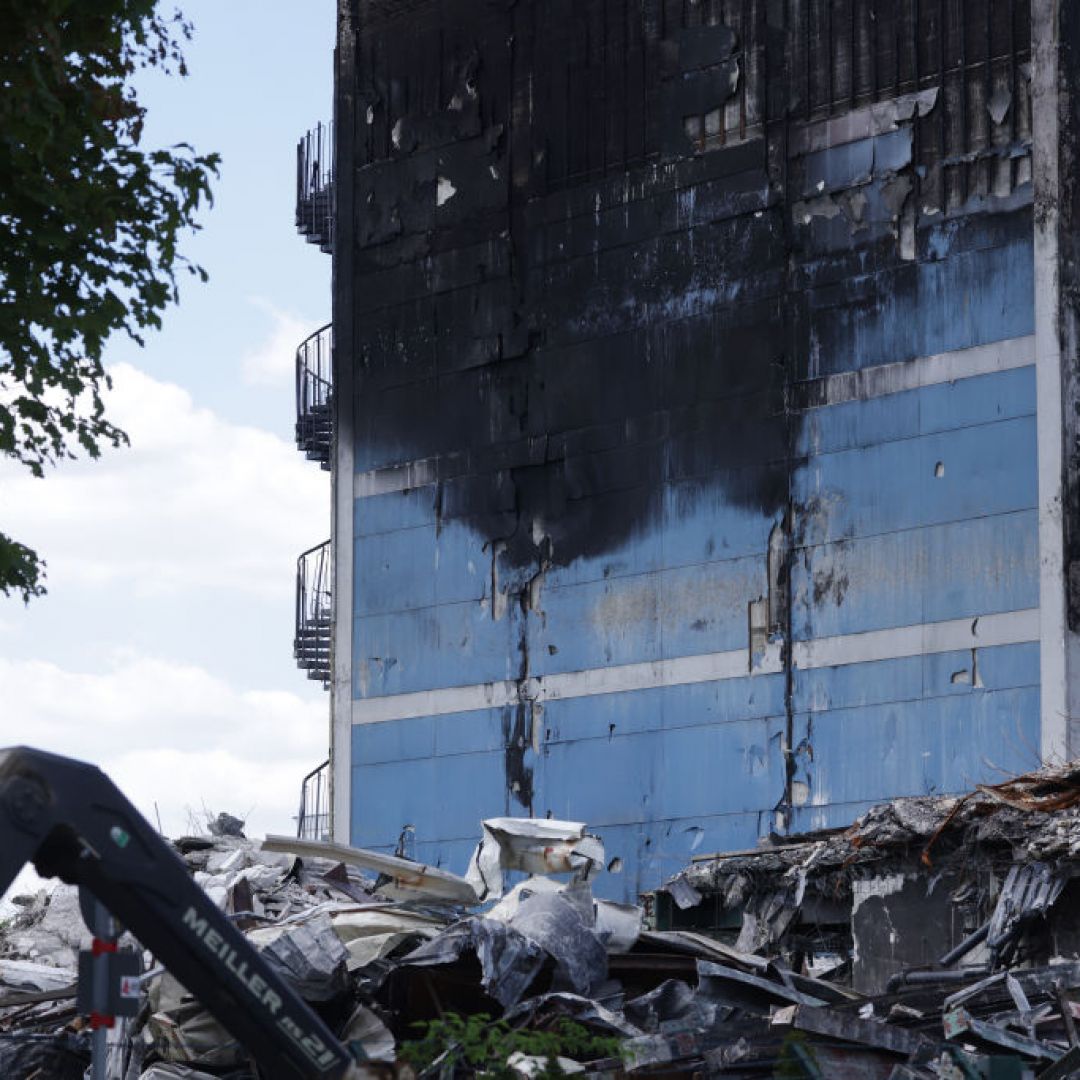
[[915, 888]]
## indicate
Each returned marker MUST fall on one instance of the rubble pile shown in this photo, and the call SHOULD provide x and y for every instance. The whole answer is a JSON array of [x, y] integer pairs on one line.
[[934, 938]]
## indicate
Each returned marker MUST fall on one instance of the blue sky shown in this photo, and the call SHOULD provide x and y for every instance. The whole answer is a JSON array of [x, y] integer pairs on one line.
[[261, 75], [163, 650]]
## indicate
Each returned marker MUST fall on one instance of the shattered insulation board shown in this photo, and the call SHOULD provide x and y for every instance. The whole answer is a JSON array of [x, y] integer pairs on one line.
[[685, 365]]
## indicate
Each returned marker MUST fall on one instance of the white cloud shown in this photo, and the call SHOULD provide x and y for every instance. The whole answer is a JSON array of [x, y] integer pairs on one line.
[[172, 734], [272, 362], [194, 502], [170, 576]]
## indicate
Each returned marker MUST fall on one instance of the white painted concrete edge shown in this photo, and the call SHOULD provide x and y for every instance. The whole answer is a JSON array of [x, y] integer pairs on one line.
[[341, 513], [1054, 674]]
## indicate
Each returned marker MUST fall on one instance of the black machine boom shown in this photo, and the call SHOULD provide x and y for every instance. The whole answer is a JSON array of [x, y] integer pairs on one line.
[[73, 823]]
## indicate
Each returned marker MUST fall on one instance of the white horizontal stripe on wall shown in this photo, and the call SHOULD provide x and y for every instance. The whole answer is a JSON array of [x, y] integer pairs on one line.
[[985, 631]]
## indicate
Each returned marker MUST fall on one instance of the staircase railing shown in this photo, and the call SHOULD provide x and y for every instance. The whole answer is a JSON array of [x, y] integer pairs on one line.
[[314, 390], [313, 821], [314, 613], [315, 186]]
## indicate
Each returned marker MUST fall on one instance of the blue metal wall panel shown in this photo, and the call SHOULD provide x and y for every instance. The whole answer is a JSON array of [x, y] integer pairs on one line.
[[706, 703], [678, 612], [655, 850], [395, 510], [981, 399], [920, 725], [452, 855], [701, 523], [639, 855], [448, 645], [840, 167], [609, 760], [927, 480], [639, 554], [394, 571], [427, 794], [418, 567], [674, 773], [922, 747], [478, 731], [1003, 667], [960, 570]]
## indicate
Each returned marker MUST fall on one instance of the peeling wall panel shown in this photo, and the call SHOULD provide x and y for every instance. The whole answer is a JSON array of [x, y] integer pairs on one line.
[[964, 300]]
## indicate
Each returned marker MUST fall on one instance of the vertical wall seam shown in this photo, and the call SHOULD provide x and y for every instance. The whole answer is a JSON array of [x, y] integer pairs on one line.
[[1045, 16]]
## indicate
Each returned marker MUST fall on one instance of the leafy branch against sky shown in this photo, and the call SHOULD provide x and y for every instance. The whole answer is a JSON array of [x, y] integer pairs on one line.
[[91, 222]]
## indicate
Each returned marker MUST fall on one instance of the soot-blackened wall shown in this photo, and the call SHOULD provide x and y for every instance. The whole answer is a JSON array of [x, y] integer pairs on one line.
[[691, 411]]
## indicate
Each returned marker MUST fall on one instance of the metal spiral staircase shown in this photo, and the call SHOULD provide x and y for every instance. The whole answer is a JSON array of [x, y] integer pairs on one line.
[[313, 631], [314, 396], [313, 637], [315, 187]]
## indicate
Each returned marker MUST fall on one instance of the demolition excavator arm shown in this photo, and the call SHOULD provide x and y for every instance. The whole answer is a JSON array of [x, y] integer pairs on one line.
[[72, 822]]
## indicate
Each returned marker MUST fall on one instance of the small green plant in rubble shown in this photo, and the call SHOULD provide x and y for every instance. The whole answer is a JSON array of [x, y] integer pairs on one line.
[[471, 1045]]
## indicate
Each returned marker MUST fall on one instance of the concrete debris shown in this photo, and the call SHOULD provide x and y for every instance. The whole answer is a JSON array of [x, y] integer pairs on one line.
[[528, 1065], [399, 877], [364, 1028], [50, 930], [534, 845], [226, 825], [26, 975], [936, 937], [58, 1057], [309, 955], [183, 1032], [175, 1072]]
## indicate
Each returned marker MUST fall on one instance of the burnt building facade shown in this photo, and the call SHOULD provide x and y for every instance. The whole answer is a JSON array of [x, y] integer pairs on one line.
[[701, 414]]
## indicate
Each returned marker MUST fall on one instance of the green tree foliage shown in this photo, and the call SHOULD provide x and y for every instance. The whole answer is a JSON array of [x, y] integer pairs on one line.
[[463, 1046], [89, 223]]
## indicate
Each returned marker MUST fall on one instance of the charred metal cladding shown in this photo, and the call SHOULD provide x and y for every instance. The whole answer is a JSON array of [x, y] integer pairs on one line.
[[684, 340], [545, 326]]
